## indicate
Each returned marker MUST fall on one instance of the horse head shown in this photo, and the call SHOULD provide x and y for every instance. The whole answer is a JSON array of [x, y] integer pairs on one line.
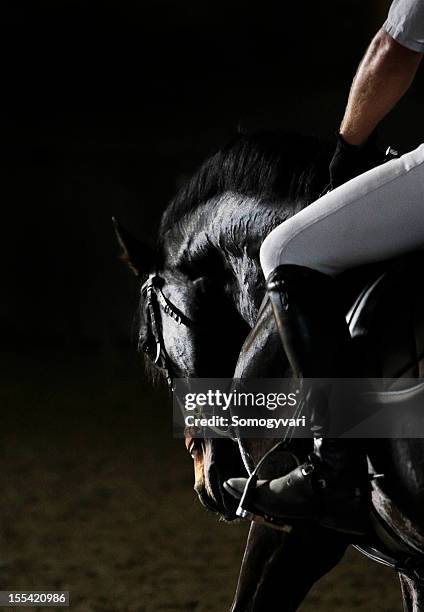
[[187, 329]]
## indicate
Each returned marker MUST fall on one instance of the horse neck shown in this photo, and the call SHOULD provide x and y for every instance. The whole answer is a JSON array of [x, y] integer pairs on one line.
[[233, 226]]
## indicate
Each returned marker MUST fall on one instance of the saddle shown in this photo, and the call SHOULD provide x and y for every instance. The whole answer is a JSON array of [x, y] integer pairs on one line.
[[386, 322]]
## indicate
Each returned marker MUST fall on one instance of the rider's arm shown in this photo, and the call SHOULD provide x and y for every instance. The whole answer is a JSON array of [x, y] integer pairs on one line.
[[384, 75]]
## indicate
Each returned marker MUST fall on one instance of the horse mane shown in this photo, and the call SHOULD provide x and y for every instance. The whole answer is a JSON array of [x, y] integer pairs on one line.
[[288, 171], [268, 165]]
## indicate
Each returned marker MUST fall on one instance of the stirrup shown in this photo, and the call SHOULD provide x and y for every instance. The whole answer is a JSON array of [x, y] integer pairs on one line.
[[263, 519], [243, 510]]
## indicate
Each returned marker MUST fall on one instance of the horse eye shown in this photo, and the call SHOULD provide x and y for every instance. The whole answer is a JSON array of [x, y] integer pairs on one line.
[[149, 348], [143, 345]]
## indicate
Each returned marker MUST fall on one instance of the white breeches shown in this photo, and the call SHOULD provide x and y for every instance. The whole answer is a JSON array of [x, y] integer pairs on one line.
[[375, 216]]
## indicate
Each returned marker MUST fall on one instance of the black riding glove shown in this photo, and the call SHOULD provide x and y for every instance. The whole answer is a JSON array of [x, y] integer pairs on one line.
[[350, 160]]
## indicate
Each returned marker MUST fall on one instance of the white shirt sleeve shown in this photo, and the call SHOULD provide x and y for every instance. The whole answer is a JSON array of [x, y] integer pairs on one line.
[[405, 23]]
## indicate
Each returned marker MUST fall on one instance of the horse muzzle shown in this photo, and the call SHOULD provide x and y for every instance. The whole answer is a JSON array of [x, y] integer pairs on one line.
[[209, 477]]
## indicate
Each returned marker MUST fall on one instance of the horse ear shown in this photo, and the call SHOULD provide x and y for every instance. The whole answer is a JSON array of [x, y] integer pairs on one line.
[[139, 257]]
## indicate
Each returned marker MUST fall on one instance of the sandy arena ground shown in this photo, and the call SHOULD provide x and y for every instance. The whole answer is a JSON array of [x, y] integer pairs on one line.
[[97, 499]]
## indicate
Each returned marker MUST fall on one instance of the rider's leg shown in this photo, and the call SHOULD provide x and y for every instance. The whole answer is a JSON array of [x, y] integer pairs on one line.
[[373, 217], [377, 215], [331, 485]]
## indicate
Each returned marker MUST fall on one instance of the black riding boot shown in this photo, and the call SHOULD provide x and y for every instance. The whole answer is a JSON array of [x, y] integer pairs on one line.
[[332, 485]]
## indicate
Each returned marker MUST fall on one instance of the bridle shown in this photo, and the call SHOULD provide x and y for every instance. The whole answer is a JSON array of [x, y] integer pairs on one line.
[[155, 303]]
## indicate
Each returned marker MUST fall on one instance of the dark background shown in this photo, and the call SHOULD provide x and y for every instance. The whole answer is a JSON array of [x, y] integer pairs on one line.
[[105, 108]]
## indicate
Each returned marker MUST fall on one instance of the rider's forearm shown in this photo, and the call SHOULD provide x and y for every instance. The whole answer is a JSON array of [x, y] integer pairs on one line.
[[384, 75]]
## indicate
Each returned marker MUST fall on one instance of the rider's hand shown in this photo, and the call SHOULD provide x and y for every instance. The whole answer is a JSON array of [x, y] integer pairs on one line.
[[350, 160]]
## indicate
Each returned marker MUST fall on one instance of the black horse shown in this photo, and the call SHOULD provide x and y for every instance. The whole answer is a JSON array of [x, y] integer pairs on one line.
[[199, 318]]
